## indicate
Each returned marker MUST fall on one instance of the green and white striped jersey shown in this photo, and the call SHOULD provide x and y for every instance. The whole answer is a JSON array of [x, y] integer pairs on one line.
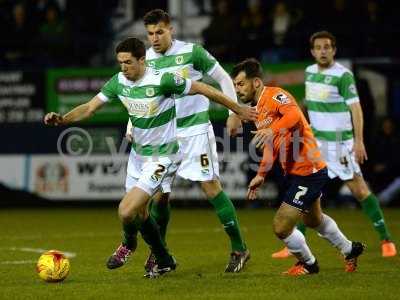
[[189, 61], [328, 96], [151, 108]]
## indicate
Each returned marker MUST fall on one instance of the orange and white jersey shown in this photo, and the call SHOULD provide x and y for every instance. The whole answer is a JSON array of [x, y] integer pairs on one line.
[[293, 142]]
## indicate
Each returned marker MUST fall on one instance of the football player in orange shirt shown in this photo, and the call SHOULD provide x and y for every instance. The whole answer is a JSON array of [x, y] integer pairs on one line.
[[283, 133]]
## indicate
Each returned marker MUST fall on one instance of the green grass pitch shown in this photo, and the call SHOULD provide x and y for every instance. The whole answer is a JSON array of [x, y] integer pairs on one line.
[[201, 248]]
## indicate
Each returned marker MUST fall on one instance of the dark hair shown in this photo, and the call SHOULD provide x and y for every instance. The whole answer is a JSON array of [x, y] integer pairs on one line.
[[133, 45], [156, 16], [250, 66], [323, 35]]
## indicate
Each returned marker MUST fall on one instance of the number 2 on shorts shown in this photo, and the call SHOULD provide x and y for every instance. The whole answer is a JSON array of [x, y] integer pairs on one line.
[[302, 191]]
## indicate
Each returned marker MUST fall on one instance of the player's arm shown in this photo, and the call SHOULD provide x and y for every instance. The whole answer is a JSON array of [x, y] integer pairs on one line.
[[266, 164], [128, 133], [233, 123], [290, 116], [207, 64], [348, 91], [358, 124], [79, 113], [244, 112]]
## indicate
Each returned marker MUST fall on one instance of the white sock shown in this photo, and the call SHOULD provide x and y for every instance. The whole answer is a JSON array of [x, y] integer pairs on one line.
[[329, 230], [296, 243]]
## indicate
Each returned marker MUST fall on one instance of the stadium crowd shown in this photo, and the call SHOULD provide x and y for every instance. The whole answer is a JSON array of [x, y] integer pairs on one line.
[[65, 33]]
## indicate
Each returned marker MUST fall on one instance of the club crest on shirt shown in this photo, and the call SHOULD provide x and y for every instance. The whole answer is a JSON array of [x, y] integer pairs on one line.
[[150, 92], [328, 79], [282, 98], [179, 60]]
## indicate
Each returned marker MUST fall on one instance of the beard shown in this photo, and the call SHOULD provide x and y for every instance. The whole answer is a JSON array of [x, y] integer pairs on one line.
[[324, 64]]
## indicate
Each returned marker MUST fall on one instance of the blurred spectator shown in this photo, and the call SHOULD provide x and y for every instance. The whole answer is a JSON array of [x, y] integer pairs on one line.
[[253, 30], [371, 28], [220, 37], [368, 107], [17, 36], [142, 7], [340, 18], [281, 25], [90, 27], [53, 40], [385, 155], [38, 9]]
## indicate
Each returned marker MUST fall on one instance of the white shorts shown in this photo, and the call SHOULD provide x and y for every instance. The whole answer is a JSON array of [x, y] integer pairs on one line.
[[340, 159], [151, 174], [199, 157]]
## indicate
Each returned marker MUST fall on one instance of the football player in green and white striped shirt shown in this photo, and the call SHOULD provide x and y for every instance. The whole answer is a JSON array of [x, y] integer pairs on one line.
[[337, 121], [195, 133], [146, 94]]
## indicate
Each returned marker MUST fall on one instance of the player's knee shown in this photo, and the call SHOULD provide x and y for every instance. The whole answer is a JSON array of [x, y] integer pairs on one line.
[[281, 229], [211, 188], [313, 221], [125, 214], [361, 191], [163, 199]]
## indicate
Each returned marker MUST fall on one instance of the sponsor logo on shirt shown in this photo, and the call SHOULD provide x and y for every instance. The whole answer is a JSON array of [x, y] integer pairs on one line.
[[282, 98], [140, 108], [352, 89], [264, 123], [125, 91], [178, 80]]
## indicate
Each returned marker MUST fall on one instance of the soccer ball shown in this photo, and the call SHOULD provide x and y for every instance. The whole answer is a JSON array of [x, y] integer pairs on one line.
[[53, 266]]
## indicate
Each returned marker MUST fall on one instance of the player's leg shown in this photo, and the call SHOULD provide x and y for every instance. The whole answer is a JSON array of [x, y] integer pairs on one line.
[[342, 163], [160, 210], [370, 206], [130, 229], [226, 213], [133, 207], [284, 252], [328, 229], [284, 227], [134, 217], [200, 163]]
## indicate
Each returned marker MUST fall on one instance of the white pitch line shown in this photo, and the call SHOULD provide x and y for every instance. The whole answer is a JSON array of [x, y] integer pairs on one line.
[[177, 231], [17, 262], [39, 250]]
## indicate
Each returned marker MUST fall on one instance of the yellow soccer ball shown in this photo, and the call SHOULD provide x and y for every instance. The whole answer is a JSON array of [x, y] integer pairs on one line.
[[53, 266]]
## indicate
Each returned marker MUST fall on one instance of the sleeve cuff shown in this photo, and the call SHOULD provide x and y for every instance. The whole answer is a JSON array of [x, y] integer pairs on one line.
[[213, 68], [188, 87], [103, 97], [352, 100]]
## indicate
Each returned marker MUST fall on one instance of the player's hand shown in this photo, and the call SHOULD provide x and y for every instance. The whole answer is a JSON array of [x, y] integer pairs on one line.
[[254, 184], [129, 137], [233, 125], [261, 137], [247, 113], [53, 119], [360, 152]]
